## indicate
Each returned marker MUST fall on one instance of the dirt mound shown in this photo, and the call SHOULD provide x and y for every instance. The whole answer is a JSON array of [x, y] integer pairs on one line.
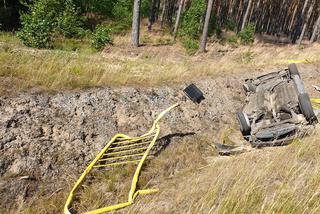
[[45, 136]]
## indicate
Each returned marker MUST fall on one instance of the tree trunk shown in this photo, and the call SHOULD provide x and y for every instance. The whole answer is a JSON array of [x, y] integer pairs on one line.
[[297, 29], [251, 12], [136, 23], [304, 7], [163, 13], [246, 15], [4, 4], [176, 26], [158, 9], [170, 12], [152, 16], [306, 23], [206, 27], [315, 30], [293, 17]]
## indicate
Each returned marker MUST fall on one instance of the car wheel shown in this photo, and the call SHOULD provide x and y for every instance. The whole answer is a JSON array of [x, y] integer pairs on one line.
[[249, 87], [306, 108], [244, 123], [293, 69]]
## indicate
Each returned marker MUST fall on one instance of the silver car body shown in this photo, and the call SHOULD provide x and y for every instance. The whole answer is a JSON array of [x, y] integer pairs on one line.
[[272, 108]]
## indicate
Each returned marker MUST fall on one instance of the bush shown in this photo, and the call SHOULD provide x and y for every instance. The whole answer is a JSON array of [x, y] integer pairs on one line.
[[104, 7], [35, 33], [122, 13], [231, 25], [233, 40], [69, 23], [247, 35], [38, 24], [191, 19], [101, 37], [247, 56], [47, 16], [191, 46], [214, 28]]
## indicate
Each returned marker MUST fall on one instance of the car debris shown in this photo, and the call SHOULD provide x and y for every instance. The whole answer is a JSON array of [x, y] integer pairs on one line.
[[277, 108], [194, 93], [228, 150], [316, 105], [317, 87]]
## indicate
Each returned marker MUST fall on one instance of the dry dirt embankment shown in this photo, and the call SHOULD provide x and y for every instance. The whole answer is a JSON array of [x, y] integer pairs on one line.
[[47, 140]]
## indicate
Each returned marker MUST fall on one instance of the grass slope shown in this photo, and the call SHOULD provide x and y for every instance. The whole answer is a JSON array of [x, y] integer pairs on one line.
[[153, 64], [193, 180], [271, 180]]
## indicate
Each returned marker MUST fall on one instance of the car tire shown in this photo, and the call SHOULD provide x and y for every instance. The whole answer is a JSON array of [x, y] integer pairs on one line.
[[299, 85], [249, 87], [244, 123], [293, 69], [306, 108]]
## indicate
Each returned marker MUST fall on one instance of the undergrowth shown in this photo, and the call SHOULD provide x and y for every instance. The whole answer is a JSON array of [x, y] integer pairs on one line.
[[190, 45]]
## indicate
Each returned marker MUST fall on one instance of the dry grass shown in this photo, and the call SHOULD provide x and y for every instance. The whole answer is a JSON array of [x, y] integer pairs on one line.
[[158, 62], [192, 179], [273, 180]]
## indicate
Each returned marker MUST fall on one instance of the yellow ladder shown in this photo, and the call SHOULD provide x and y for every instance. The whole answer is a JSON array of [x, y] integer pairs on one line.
[[120, 150]]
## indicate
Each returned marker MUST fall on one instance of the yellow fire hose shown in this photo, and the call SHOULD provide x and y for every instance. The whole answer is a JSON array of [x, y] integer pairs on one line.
[[118, 148]]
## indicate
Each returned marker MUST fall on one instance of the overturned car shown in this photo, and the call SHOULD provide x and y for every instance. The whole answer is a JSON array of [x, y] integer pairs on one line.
[[277, 108]]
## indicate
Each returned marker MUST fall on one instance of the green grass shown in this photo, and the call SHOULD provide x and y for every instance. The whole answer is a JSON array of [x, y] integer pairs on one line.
[[191, 46], [81, 46], [64, 44]]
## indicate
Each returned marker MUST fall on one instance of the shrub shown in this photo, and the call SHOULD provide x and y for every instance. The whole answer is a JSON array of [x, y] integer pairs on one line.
[[47, 16], [122, 13], [145, 8], [233, 40], [231, 25], [214, 28], [191, 46], [101, 37], [38, 24], [69, 23], [104, 7], [35, 33], [247, 34], [191, 19], [247, 56]]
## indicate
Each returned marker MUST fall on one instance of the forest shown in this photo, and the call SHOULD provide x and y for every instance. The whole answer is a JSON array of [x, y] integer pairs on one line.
[[39, 22]]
